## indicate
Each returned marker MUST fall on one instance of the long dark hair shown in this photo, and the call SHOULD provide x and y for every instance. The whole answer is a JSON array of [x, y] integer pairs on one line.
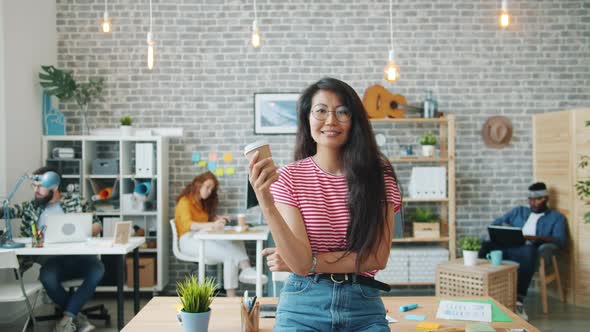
[[193, 191], [364, 167]]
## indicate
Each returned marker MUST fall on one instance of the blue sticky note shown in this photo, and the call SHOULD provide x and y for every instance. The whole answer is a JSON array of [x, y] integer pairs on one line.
[[212, 166], [196, 157], [415, 317]]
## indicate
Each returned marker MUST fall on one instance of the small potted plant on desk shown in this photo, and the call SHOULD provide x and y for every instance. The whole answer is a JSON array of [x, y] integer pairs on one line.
[[428, 141], [126, 128], [196, 298], [470, 246], [425, 223]]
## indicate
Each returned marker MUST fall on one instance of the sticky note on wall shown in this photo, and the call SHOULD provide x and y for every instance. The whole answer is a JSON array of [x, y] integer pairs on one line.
[[202, 163], [227, 157], [212, 166], [196, 157], [212, 156], [230, 171], [219, 172]]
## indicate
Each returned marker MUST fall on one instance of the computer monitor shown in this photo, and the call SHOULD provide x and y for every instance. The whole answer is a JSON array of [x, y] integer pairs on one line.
[[251, 200]]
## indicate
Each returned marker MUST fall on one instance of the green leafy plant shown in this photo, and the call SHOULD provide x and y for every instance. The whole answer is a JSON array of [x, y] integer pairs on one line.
[[470, 243], [61, 83], [126, 121], [194, 296], [428, 138], [424, 215]]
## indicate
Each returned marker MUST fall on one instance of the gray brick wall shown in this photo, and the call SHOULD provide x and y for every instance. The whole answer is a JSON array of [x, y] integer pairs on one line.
[[206, 74]]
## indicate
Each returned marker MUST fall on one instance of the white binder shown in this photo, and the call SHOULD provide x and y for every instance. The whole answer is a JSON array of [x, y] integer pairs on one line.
[[145, 162], [428, 182]]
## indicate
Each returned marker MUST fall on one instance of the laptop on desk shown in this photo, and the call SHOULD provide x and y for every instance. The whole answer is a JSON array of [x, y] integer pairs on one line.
[[68, 228], [507, 236]]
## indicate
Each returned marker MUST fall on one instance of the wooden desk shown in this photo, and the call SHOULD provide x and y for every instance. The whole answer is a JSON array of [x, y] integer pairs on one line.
[[257, 233], [160, 315], [96, 246]]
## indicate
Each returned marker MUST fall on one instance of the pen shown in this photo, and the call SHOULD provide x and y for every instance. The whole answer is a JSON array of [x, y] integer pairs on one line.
[[246, 304], [408, 307], [34, 231], [252, 305]]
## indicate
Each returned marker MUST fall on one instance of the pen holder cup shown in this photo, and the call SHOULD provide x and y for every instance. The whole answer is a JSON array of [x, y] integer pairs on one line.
[[250, 320]]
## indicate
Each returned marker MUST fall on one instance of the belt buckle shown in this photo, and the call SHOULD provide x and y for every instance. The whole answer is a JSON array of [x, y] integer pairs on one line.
[[338, 281]]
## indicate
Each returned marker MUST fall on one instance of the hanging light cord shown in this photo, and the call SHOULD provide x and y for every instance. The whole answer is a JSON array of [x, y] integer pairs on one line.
[[105, 6], [255, 15], [150, 15], [391, 22]]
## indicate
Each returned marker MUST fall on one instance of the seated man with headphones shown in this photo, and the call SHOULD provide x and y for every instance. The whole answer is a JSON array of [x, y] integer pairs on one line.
[[55, 269]]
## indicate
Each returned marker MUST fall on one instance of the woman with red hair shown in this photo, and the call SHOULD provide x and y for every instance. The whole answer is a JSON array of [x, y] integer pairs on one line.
[[196, 211]]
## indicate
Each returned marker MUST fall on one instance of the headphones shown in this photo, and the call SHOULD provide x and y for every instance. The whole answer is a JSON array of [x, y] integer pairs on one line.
[[49, 180]]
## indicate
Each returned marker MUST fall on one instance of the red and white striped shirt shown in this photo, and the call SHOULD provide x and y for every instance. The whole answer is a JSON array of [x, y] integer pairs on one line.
[[322, 200]]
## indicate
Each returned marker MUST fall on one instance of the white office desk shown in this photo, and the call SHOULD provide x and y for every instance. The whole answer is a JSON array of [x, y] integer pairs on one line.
[[258, 234], [96, 246]]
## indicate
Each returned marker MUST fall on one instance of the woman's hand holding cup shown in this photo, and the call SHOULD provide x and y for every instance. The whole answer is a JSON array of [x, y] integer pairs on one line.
[[262, 170]]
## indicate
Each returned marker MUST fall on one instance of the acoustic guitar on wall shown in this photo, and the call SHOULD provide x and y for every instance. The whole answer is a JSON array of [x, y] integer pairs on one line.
[[381, 103]]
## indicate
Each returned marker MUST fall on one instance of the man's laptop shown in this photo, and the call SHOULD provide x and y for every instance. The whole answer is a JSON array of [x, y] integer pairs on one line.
[[506, 236], [68, 227]]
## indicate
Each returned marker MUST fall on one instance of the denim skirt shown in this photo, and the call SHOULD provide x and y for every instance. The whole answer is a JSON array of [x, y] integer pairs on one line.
[[312, 304]]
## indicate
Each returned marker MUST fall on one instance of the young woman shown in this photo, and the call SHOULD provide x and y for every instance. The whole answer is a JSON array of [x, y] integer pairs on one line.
[[331, 215], [196, 211]]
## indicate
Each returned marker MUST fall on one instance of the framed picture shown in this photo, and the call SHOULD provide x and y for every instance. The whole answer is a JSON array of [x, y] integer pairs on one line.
[[122, 232], [275, 113]]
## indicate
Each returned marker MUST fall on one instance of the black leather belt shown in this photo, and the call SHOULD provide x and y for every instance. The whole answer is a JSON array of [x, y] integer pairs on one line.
[[340, 278]]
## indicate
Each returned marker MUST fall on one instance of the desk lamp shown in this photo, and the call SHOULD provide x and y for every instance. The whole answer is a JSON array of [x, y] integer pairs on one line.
[[49, 180]]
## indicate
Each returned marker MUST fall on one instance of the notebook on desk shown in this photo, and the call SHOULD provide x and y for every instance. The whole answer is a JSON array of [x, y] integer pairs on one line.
[[506, 236], [68, 228]]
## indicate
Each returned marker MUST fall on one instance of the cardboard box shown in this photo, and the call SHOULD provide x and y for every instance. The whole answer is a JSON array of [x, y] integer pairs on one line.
[[147, 271]]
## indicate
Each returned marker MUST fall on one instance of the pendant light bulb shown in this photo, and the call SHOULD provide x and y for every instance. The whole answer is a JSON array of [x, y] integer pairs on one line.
[[106, 25], [392, 69], [255, 40], [504, 15], [151, 50]]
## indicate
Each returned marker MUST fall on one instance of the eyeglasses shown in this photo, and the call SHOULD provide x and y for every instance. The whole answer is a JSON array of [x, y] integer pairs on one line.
[[35, 185], [342, 115]]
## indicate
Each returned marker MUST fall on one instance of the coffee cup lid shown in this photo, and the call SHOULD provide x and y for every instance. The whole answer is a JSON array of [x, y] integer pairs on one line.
[[254, 145]]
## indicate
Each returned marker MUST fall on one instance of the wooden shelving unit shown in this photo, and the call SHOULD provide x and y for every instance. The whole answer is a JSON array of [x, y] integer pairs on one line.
[[446, 158]]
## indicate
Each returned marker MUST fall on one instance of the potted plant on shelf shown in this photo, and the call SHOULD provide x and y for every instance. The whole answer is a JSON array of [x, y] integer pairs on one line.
[[61, 83], [425, 223], [126, 128], [196, 298], [428, 141], [470, 246]]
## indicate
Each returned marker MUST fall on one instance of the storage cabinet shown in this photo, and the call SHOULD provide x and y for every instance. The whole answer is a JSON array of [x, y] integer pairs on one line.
[[105, 166], [413, 127], [560, 139]]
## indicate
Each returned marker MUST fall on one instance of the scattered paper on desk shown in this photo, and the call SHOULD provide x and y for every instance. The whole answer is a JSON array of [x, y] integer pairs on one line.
[[455, 310], [390, 319]]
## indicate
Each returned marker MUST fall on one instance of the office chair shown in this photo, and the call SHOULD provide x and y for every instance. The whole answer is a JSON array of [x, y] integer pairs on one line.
[[18, 290], [187, 258], [96, 312], [548, 258]]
